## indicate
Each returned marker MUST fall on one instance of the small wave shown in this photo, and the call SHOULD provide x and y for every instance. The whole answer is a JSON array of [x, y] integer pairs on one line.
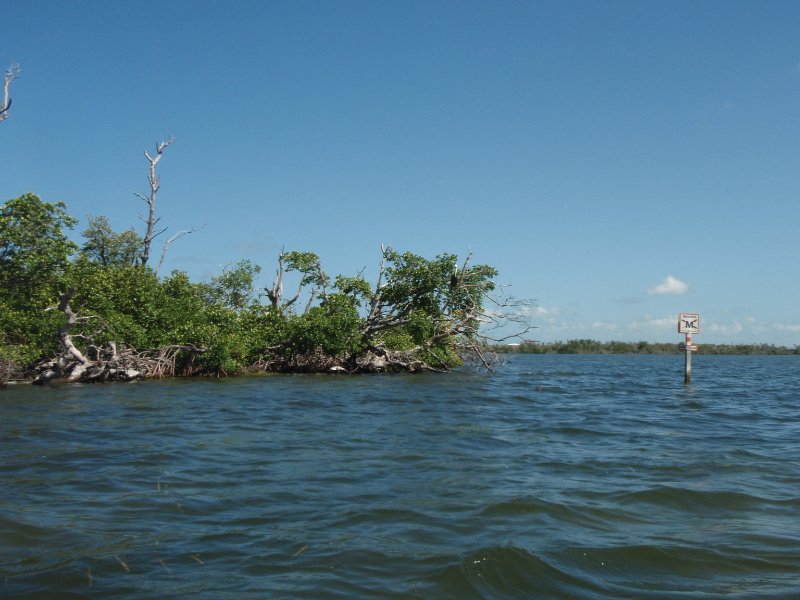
[[638, 571], [563, 514], [693, 500], [509, 572], [379, 515], [551, 373], [580, 431]]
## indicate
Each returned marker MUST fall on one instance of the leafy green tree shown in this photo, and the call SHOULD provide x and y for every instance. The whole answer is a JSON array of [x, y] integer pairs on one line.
[[106, 247], [235, 287], [431, 309], [356, 288], [34, 248], [450, 298], [34, 255]]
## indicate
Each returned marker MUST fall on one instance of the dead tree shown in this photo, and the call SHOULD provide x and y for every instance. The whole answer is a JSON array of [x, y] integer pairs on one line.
[[150, 200], [10, 75]]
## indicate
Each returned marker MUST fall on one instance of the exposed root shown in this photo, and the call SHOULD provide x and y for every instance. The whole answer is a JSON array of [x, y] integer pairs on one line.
[[377, 359], [9, 371], [381, 360], [112, 364], [106, 363]]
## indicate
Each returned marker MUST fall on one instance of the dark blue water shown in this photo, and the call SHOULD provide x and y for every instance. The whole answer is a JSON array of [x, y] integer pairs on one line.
[[558, 477]]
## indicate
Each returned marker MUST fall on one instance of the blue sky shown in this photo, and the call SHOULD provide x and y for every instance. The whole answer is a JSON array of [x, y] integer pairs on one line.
[[618, 162]]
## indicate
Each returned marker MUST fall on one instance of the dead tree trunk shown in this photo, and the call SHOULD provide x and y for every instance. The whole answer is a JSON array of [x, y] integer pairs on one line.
[[10, 75], [275, 293], [72, 361], [150, 200], [66, 338]]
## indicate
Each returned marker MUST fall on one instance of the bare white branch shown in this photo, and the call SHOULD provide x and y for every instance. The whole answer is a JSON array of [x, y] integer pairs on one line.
[[10, 75], [172, 239]]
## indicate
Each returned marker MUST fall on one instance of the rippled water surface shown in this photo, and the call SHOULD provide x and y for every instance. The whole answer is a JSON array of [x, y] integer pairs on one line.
[[557, 477]]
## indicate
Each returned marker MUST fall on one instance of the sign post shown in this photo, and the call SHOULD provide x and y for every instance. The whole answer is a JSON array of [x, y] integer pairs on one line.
[[688, 323]]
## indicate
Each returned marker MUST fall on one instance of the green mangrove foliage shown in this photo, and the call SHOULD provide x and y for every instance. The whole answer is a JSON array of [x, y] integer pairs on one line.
[[95, 312], [105, 246], [34, 260]]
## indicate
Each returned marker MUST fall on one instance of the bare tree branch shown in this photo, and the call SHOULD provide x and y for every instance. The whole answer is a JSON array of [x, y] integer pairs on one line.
[[10, 75], [172, 239]]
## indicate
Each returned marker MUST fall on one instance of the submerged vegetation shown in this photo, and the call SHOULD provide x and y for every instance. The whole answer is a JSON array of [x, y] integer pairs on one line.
[[585, 346], [99, 312]]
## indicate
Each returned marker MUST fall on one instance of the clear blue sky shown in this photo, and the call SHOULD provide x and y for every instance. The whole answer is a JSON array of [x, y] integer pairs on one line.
[[619, 162]]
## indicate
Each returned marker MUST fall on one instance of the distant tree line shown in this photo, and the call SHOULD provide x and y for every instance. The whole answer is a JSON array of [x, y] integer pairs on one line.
[[587, 346]]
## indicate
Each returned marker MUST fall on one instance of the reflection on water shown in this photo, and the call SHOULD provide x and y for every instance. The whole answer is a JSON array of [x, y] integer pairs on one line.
[[557, 477]]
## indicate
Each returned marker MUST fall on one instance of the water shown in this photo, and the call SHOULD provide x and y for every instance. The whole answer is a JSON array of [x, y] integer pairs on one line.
[[581, 477]]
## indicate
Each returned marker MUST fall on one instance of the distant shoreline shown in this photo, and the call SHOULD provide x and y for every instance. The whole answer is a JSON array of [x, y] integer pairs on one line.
[[586, 346]]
